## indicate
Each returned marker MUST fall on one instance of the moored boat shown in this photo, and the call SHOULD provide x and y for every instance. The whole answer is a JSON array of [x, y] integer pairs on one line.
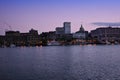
[[53, 43]]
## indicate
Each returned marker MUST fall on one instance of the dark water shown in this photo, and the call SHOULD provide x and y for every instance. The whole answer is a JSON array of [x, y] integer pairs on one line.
[[60, 63]]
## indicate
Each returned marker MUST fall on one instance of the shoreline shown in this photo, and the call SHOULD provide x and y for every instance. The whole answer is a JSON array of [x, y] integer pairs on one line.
[[57, 45]]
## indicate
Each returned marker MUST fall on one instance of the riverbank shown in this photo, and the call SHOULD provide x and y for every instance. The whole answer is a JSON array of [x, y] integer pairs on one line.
[[13, 46]]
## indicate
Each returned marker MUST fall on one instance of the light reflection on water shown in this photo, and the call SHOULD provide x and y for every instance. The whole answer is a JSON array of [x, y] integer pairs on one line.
[[60, 63]]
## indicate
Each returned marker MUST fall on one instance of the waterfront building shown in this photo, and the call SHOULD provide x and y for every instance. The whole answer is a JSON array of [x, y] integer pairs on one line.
[[47, 37], [31, 38], [33, 32], [106, 34], [12, 33], [59, 30], [81, 34], [19, 39], [51, 35], [24, 37], [2, 40], [67, 27], [12, 37], [64, 37]]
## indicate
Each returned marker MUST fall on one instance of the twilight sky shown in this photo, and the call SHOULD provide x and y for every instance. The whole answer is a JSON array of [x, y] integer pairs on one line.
[[46, 15]]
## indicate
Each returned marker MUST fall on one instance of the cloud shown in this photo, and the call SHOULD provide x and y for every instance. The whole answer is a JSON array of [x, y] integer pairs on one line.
[[107, 23]]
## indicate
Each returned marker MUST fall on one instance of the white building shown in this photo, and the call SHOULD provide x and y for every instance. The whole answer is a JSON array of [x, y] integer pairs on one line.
[[67, 27], [81, 34]]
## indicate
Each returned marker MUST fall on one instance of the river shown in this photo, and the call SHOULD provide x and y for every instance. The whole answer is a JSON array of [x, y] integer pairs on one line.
[[88, 62]]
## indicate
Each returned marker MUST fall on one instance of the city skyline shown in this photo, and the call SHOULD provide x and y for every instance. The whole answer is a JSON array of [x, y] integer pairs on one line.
[[46, 15]]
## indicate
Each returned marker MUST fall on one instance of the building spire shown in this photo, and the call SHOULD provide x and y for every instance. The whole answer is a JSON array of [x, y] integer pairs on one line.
[[81, 28]]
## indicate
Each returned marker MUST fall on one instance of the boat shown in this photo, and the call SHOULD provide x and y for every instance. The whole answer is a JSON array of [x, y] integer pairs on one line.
[[107, 42], [116, 43], [53, 43], [12, 46]]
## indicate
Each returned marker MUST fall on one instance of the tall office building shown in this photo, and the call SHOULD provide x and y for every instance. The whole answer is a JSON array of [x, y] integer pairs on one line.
[[67, 27]]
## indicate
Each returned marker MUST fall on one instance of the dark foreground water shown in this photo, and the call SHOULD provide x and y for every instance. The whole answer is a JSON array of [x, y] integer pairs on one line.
[[60, 63]]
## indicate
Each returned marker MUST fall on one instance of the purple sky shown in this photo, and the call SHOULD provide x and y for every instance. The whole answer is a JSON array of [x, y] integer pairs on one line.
[[46, 15]]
